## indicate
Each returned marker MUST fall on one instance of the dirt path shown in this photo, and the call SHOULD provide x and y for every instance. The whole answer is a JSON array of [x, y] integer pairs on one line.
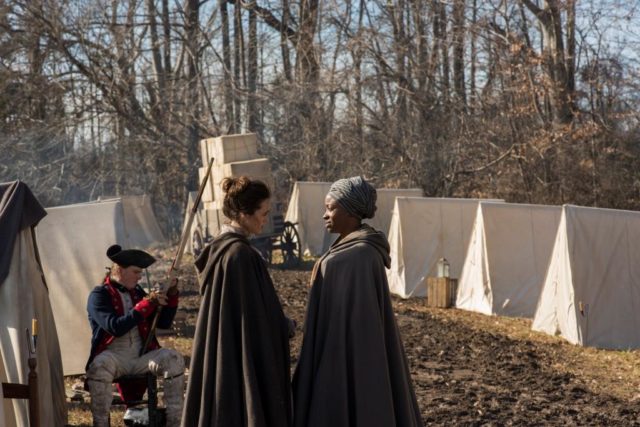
[[470, 369], [466, 373]]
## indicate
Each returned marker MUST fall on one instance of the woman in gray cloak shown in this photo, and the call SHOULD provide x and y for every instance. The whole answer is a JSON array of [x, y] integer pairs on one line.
[[352, 369], [239, 373]]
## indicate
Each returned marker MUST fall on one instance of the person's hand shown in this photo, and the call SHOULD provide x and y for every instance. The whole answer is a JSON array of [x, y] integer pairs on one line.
[[157, 297]]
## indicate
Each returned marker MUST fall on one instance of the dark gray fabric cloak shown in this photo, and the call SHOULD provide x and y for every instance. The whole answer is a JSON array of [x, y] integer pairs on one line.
[[19, 209], [239, 373], [352, 369]]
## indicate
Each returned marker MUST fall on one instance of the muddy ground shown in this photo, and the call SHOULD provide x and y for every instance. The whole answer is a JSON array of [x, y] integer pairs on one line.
[[467, 368]]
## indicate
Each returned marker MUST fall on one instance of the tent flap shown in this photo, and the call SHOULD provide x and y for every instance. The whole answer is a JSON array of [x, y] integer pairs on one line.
[[507, 260], [591, 294], [422, 231]]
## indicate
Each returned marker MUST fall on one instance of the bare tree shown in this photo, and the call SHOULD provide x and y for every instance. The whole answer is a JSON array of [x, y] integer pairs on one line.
[[516, 99], [558, 62]]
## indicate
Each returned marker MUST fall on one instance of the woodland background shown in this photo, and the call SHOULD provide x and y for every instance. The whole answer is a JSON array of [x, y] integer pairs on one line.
[[531, 101]]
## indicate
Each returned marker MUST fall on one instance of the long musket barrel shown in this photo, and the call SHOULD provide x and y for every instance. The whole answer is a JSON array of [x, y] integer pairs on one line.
[[175, 265]]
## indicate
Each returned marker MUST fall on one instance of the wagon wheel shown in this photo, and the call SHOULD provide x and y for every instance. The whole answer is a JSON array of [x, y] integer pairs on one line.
[[289, 245]]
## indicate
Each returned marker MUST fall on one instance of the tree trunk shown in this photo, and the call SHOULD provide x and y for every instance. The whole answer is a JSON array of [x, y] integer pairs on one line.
[[555, 58], [357, 64], [396, 13], [238, 69], [155, 47], [571, 46], [458, 51], [284, 40], [227, 85], [169, 95], [253, 118], [474, 55], [307, 67], [193, 99], [444, 48]]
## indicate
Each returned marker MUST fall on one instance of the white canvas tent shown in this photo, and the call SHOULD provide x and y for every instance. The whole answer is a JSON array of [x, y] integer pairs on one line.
[[140, 223], [507, 258], [306, 207], [591, 294], [23, 297], [73, 241], [191, 198], [422, 231], [385, 203]]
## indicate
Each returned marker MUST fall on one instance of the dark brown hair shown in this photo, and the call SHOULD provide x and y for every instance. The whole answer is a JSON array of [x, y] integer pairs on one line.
[[242, 195]]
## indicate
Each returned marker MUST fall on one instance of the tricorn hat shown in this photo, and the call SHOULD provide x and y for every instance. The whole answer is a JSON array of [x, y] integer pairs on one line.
[[129, 257]]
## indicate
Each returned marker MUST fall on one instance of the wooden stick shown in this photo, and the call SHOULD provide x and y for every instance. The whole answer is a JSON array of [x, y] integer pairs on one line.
[[34, 400], [175, 265]]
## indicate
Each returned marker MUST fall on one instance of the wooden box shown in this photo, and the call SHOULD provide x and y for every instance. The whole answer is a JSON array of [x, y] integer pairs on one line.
[[254, 169], [441, 292], [215, 218], [204, 152], [230, 148]]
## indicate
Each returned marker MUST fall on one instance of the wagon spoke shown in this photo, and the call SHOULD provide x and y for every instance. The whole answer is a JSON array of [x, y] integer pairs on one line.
[[290, 246]]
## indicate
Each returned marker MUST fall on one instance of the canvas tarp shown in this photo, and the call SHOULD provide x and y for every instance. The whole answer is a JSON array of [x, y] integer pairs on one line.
[[306, 208], [140, 223], [422, 231], [507, 258], [24, 296], [591, 295], [73, 241], [195, 223], [385, 203]]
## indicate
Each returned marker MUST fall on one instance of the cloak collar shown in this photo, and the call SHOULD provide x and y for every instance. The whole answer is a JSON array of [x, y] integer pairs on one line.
[[365, 234], [214, 251]]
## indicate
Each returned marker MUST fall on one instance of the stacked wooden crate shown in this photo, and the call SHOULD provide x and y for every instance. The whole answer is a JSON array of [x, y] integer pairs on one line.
[[234, 155]]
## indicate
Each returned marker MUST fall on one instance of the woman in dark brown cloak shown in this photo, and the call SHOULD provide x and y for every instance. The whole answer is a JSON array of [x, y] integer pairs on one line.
[[352, 369], [239, 373]]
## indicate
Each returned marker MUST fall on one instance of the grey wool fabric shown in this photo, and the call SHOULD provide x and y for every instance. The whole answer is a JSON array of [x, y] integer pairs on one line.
[[19, 209], [239, 373], [356, 196], [352, 370]]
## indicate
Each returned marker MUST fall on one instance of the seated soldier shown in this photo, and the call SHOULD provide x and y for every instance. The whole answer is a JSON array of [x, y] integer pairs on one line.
[[120, 314]]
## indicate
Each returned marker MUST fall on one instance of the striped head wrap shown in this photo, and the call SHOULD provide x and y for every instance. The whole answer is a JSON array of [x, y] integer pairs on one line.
[[355, 195]]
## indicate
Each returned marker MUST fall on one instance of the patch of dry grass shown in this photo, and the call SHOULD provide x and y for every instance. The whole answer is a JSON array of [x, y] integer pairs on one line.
[[611, 372], [606, 372]]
